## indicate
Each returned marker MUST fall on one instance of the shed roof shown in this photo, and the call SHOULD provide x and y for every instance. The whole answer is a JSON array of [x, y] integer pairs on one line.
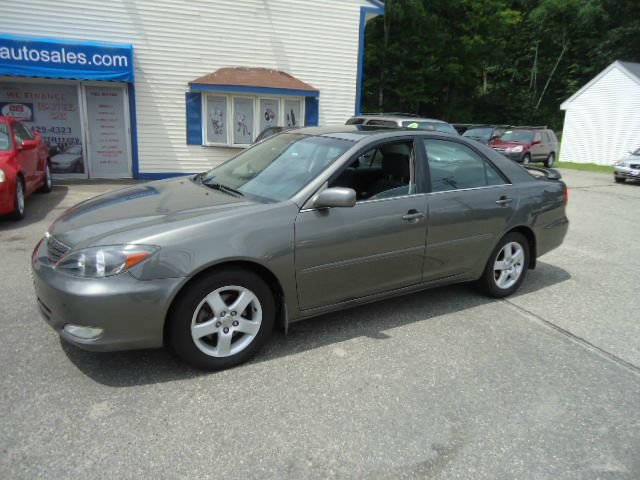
[[253, 77], [630, 68]]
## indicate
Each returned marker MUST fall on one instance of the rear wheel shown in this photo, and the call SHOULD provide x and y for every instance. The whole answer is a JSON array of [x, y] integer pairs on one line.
[[526, 160], [507, 266], [619, 179], [18, 201], [551, 159], [222, 320]]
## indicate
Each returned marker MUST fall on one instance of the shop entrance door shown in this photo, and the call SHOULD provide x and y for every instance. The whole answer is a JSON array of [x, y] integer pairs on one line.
[[108, 148]]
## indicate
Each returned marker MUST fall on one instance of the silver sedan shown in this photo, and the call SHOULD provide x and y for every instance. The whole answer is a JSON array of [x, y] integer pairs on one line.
[[304, 223], [627, 168]]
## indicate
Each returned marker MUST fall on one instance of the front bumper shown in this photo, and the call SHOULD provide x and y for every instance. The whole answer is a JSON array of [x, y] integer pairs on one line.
[[625, 172], [515, 156], [131, 312]]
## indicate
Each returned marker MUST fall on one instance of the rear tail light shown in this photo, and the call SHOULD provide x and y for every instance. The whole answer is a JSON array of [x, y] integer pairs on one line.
[[566, 195]]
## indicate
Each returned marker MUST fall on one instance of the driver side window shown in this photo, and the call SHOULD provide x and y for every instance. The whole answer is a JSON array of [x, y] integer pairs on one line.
[[386, 171]]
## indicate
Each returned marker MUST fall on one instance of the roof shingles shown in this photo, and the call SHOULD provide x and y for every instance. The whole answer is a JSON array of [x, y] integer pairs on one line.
[[253, 77]]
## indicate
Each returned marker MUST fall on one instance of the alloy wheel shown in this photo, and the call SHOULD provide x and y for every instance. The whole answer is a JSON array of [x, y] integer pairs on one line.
[[47, 177], [19, 197], [226, 321], [508, 265]]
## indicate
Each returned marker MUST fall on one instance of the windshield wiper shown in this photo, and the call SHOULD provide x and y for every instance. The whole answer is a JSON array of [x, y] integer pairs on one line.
[[223, 188]]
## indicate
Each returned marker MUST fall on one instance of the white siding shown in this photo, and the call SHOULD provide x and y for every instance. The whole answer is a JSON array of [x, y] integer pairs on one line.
[[603, 122], [176, 41]]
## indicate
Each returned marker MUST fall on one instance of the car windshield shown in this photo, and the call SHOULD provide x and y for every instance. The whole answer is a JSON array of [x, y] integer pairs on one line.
[[5, 141], [74, 150], [520, 136], [422, 125], [483, 133], [277, 168]]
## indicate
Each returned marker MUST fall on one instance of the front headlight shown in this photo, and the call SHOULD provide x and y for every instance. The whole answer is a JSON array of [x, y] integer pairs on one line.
[[516, 149], [3, 177], [98, 262], [621, 163]]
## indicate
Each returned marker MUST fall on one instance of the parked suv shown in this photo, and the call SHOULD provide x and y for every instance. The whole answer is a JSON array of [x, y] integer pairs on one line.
[[405, 120], [527, 145]]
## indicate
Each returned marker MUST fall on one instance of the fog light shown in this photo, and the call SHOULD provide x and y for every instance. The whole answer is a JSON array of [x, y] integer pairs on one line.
[[86, 333]]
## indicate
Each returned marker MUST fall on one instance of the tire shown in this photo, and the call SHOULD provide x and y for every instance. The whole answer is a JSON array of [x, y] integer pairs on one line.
[[526, 159], [619, 179], [209, 302], [497, 282], [18, 201], [78, 167], [48, 182], [551, 159]]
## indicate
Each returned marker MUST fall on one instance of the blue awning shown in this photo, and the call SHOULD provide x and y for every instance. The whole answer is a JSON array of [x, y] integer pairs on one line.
[[61, 58]]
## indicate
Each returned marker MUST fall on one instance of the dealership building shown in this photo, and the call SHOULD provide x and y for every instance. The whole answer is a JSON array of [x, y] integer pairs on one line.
[[148, 89]]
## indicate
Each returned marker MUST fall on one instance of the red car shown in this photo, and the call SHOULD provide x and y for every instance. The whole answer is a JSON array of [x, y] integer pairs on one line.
[[525, 145], [24, 166]]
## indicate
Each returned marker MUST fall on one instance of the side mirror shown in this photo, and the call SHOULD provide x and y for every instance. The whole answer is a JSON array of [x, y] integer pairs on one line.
[[27, 144], [335, 197], [536, 142]]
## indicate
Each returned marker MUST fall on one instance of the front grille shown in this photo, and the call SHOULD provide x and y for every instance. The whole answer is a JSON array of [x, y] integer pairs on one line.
[[635, 165], [55, 249]]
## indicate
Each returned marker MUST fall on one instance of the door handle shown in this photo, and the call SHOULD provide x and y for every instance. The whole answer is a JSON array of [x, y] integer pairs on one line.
[[412, 215], [504, 200]]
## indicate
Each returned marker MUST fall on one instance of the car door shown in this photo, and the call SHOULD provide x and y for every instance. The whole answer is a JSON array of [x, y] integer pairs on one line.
[[537, 147], [377, 245], [469, 206], [27, 158]]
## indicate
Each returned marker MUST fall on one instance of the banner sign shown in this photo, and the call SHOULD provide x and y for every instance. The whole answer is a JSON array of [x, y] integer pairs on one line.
[[36, 57]]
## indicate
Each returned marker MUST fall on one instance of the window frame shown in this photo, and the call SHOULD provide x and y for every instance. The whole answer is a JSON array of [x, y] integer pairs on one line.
[[255, 125], [418, 173], [205, 120], [429, 184]]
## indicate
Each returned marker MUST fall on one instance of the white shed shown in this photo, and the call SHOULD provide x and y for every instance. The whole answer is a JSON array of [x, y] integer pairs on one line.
[[602, 119]]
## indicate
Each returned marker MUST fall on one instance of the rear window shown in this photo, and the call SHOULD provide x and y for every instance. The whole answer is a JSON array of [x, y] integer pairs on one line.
[[5, 140], [433, 126], [484, 133], [355, 121], [382, 123]]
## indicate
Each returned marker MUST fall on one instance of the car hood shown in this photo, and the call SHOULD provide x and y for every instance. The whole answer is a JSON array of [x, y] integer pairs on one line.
[[154, 204], [5, 156], [65, 158]]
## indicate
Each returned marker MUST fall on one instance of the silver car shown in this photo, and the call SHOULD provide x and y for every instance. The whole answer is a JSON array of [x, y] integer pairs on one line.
[[304, 223], [628, 167], [402, 120]]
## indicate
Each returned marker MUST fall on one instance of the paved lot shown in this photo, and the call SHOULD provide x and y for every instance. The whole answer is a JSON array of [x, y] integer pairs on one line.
[[443, 384]]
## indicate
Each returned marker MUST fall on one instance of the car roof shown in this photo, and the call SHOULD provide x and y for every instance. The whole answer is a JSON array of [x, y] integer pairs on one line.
[[356, 133], [398, 117]]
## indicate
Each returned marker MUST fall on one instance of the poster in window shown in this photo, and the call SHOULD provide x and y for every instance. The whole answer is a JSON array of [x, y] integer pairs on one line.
[[269, 113], [216, 119], [292, 113], [52, 110], [108, 148], [243, 121]]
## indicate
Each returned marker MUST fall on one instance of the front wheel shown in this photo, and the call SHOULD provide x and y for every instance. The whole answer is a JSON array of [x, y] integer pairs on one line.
[[47, 184], [507, 266], [551, 159], [18, 201], [222, 320], [526, 160], [619, 179]]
